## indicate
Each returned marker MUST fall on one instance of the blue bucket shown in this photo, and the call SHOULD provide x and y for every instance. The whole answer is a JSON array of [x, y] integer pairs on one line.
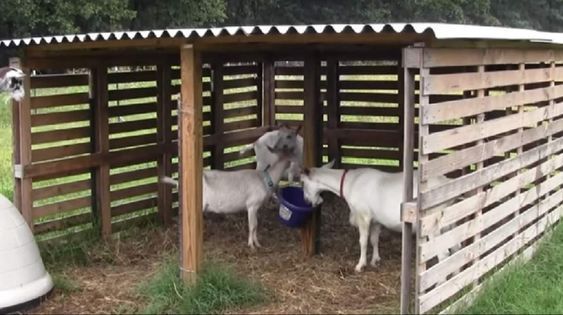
[[294, 210]]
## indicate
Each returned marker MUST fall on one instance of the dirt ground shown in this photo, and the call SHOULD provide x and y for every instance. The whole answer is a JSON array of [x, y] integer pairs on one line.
[[324, 284]]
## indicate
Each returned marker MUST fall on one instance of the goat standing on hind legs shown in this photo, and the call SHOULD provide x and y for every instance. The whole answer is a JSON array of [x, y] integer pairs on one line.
[[236, 191], [11, 80], [373, 196]]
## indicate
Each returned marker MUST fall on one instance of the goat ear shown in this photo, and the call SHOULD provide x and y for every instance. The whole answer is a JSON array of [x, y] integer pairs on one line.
[[329, 164], [307, 171], [271, 149]]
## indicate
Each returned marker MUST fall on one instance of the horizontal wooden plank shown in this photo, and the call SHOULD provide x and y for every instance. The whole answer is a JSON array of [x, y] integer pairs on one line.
[[482, 266], [484, 151], [468, 253], [246, 166], [60, 135], [124, 142], [133, 206], [133, 125], [234, 156], [471, 228], [239, 97], [369, 97], [349, 136], [238, 70], [133, 175], [127, 94], [370, 153], [463, 184], [62, 206], [369, 111], [133, 191], [61, 224], [58, 80], [289, 71], [60, 189], [432, 113], [446, 57], [239, 83], [59, 152], [385, 168], [37, 102], [242, 124], [436, 220], [289, 95], [60, 117], [368, 85], [243, 111], [134, 76], [134, 109], [368, 70], [438, 141], [289, 84], [447, 83], [286, 109]]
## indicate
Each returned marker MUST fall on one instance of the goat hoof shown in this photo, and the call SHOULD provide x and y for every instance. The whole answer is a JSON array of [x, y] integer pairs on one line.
[[359, 268], [375, 261]]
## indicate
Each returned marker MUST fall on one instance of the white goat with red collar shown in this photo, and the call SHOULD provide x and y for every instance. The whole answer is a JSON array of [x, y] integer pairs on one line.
[[374, 198]]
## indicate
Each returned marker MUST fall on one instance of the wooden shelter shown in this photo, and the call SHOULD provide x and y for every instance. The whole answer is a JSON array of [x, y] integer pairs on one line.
[[482, 105]]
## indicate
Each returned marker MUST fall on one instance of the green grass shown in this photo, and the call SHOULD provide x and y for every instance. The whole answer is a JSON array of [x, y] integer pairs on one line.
[[217, 290], [534, 287]]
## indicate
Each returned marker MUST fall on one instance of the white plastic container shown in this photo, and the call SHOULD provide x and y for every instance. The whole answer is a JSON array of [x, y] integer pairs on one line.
[[23, 278]]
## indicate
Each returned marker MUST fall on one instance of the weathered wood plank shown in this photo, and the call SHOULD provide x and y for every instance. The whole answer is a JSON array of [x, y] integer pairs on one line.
[[439, 57], [135, 109], [61, 224], [134, 191], [134, 206], [62, 206], [134, 76], [239, 97], [124, 142], [438, 141], [59, 152], [437, 112], [481, 152], [468, 182], [464, 278], [60, 189], [60, 135], [60, 117], [58, 80], [448, 83], [130, 176], [126, 94], [190, 152], [59, 100]]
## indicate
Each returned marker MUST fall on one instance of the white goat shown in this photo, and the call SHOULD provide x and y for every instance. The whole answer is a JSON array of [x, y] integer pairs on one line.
[[236, 191], [374, 198], [283, 138], [11, 80]]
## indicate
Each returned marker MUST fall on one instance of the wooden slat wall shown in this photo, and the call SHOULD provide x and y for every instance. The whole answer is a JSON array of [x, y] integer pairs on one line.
[[508, 154]]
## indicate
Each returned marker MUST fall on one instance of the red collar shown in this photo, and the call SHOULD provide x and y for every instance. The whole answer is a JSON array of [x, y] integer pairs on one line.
[[342, 183]]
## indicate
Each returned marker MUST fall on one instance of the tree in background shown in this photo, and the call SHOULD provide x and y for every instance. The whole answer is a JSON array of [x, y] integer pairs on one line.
[[21, 18]]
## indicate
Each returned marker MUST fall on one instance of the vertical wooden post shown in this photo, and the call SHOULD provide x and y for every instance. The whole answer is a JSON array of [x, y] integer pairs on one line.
[[100, 139], [408, 103], [191, 165], [268, 92], [217, 121], [21, 126], [164, 137], [333, 109], [312, 132], [423, 131], [401, 104]]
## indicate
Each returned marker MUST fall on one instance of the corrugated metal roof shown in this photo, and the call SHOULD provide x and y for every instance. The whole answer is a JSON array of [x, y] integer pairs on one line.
[[439, 31]]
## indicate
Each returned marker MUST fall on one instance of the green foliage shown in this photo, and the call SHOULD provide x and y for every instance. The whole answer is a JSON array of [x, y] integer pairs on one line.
[[535, 287], [217, 289], [177, 13]]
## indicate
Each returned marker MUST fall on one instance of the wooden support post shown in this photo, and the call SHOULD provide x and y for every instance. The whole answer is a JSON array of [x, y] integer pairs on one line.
[[100, 141], [190, 134], [423, 131], [333, 110], [407, 102], [21, 126], [217, 110], [164, 137], [312, 132], [268, 92]]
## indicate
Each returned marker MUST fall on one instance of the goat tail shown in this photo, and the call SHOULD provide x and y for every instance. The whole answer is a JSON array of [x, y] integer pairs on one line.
[[168, 180], [246, 148]]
